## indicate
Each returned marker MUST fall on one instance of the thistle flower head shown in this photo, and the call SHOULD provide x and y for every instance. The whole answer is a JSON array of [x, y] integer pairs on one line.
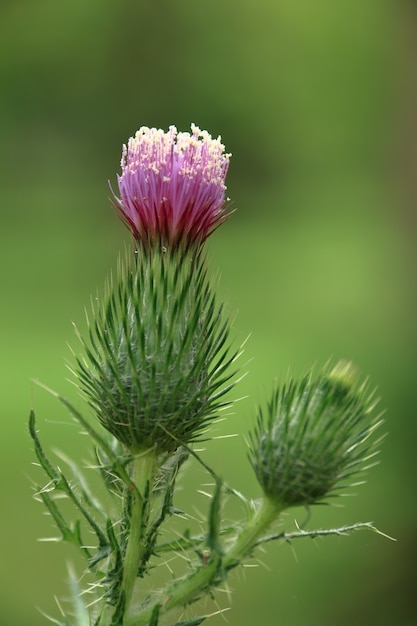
[[172, 186], [315, 436]]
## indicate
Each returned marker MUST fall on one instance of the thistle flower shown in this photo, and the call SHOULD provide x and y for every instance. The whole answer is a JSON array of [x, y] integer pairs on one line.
[[172, 186], [317, 434]]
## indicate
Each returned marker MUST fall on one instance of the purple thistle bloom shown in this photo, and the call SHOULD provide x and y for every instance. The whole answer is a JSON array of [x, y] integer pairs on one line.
[[172, 186]]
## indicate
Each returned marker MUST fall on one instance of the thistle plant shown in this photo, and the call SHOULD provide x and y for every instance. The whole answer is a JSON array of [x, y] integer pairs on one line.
[[155, 368]]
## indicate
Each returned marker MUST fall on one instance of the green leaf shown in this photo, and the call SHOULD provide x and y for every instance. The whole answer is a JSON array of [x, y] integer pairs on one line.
[[214, 519], [60, 483]]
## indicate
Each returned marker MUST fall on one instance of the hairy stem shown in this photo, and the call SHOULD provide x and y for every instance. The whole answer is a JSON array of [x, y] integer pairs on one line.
[[264, 516], [143, 474], [185, 590]]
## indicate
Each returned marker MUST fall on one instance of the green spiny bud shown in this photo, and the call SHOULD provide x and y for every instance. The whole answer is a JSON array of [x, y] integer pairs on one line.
[[156, 366], [315, 436]]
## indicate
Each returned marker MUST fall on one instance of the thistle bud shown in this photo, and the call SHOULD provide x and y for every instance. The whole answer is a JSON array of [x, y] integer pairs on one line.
[[155, 368], [316, 435]]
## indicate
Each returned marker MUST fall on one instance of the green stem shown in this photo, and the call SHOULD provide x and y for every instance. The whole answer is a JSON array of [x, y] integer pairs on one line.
[[264, 516], [180, 593], [186, 589], [143, 473]]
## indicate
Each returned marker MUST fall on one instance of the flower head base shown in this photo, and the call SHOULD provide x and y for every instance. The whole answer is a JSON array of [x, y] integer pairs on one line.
[[157, 363], [172, 186], [317, 434]]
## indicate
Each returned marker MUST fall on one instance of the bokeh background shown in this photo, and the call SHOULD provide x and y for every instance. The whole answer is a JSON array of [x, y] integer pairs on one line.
[[316, 101]]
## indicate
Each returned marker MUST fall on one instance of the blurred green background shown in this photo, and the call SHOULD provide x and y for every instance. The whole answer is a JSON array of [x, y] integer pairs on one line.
[[316, 100]]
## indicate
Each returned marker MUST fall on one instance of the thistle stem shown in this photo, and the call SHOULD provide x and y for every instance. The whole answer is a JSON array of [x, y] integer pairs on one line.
[[266, 513], [180, 593], [187, 589], [143, 473]]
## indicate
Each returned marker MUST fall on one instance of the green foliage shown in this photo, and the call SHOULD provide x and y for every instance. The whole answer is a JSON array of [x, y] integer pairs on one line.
[[128, 533], [155, 369], [108, 562]]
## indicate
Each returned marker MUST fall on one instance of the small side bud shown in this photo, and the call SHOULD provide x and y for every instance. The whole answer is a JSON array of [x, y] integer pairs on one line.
[[345, 373], [315, 436]]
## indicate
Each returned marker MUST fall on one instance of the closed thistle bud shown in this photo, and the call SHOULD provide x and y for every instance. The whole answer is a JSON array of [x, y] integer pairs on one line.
[[317, 434], [155, 368]]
